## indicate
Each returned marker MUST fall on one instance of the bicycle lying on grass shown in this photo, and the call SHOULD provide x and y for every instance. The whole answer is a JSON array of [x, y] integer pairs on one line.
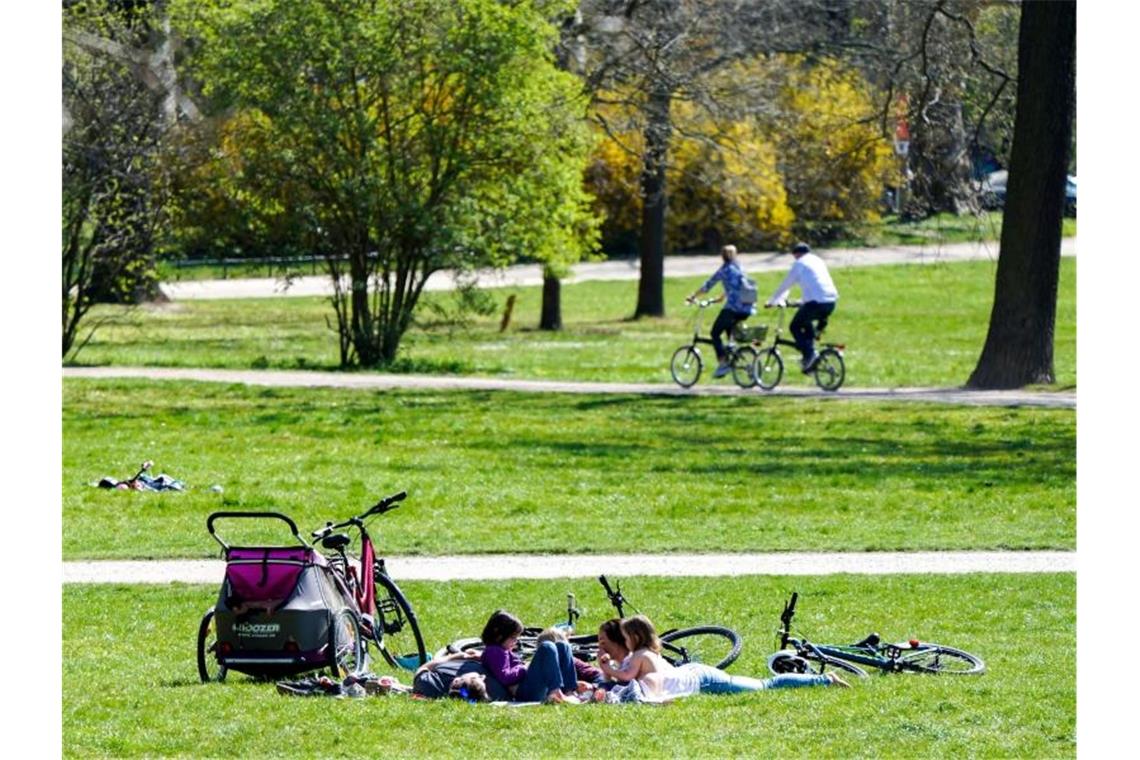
[[686, 364], [768, 366], [913, 656], [708, 644]]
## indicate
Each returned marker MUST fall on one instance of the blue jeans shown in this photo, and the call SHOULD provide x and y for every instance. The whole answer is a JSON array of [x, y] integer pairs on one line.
[[552, 667], [716, 681], [802, 330]]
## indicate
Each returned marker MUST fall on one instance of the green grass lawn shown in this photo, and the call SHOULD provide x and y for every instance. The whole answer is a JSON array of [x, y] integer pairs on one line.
[[940, 229], [506, 472], [130, 685], [908, 325]]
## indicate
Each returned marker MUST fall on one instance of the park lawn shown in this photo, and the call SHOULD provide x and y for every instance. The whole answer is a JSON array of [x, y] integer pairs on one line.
[[939, 229], [906, 325], [494, 472], [130, 684]]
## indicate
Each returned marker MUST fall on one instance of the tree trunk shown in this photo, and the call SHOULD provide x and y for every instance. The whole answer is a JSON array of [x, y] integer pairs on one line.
[[551, 303], [1019, 346], [651, 286]]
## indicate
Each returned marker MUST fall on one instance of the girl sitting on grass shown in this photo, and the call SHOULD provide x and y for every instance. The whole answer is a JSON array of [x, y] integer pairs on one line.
[[550, 677]]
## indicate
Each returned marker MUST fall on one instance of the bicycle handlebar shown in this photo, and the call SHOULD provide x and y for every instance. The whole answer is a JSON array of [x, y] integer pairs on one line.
[[783, 304], [616, 599], [387, 504]]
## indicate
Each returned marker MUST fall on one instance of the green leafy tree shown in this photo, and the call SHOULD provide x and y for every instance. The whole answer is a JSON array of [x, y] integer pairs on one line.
[[406, 136]]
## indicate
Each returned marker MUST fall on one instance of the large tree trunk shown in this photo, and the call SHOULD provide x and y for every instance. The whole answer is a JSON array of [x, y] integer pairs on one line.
[[551, 318], [651, 286], [1019, 346]]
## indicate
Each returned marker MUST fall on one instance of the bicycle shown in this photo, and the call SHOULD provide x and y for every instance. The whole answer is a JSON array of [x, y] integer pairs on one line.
[[911, 656], [768, 367], [387, 620], [686, 364], [706, 644]]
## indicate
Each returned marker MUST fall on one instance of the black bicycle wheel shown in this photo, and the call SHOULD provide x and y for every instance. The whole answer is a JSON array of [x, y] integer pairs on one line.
[[743, 362], [933, 658], [790, 662], [707, 644], [829, 370], [768, 369], [585, 646], [209, 669], [686, 366], [397, 632], [346, 647]]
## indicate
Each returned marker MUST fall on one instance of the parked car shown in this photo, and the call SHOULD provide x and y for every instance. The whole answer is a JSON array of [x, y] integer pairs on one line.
[[992, 190]]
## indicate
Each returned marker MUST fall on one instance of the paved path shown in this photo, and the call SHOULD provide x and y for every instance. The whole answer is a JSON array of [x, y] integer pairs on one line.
[[675, 266], [1058, 399], [503, 566]]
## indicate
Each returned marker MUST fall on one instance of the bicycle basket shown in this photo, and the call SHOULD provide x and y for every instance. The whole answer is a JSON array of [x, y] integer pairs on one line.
[[746, 334]]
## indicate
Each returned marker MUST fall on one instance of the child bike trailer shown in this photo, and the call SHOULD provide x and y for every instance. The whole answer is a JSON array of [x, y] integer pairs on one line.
[[280, 611]]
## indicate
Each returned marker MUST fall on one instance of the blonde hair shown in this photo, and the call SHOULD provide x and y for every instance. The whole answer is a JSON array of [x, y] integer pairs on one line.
[[728, 251], [552, 635], [641, 633]]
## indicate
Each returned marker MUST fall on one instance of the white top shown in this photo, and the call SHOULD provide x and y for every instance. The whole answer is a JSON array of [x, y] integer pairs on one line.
[[811, 274], [668, 682]]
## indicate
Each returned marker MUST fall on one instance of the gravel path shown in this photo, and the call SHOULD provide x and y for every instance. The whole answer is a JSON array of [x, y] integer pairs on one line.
[[1055, 399], [675, 266], [504, 566]]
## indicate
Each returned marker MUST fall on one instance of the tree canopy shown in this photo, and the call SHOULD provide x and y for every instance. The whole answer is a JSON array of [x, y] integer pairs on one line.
[[408, 136]]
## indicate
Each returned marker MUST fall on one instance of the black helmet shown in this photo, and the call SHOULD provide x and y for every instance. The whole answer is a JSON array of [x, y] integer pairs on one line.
[[801, 248]]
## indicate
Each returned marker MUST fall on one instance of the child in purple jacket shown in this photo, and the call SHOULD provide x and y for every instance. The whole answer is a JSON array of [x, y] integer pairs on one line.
[[550, 677]]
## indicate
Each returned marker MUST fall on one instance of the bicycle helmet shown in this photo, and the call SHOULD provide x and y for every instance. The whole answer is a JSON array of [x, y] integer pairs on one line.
[[801, 247]]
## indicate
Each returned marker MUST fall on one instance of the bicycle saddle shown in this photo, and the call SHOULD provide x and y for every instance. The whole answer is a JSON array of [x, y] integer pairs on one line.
[[336, 541], [871, 642]]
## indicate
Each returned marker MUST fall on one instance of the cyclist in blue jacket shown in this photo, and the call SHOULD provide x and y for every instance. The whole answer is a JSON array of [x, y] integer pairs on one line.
[[740, 302]]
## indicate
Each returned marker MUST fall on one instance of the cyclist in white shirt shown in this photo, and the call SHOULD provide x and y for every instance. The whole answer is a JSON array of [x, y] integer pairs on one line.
[[819, 298]]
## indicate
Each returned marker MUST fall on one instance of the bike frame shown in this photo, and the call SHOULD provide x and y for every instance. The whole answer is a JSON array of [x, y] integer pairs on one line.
[[730, 345], [363, 583], [777, 341], [697, 319], [884, 657]]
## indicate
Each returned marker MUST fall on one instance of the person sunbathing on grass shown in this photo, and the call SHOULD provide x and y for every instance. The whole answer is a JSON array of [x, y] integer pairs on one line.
[[665, 681]]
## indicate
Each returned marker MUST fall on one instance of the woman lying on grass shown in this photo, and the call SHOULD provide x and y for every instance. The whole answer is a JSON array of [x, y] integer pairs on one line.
[[643, 675]]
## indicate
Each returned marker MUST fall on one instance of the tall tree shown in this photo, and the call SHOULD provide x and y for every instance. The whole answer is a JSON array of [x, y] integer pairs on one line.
[[1019, 345], [648, 54], [408, 136], [113, 186]]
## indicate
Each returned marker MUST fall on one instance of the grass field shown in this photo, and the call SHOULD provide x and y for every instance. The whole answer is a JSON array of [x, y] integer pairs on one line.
[[909, 325], [505, 472], [940, 229], [130, 686]]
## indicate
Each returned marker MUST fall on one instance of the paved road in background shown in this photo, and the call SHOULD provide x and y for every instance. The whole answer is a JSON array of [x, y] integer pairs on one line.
[[504, 566], [362, 381], [675, 266]]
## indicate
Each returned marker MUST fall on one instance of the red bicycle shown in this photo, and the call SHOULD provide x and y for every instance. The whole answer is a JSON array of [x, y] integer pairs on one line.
[[386, 617]]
